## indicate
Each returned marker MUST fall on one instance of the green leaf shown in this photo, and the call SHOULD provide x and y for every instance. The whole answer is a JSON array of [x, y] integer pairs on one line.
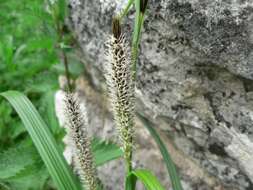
[[126, 9], [138, 23], [174, 177], [4, 186], [7, 49], [147, 178], [33, 177], [48, 105], [105, 151], [14, 160], [44, 141], [40, 43]]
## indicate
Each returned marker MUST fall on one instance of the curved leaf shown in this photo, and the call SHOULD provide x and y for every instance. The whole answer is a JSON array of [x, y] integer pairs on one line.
[[175, 180], [44, 141], [146, 177], [105, 151]]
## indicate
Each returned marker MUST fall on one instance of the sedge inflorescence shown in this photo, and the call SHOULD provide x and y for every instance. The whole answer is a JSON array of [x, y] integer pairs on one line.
[[77, 129], [121, 88]]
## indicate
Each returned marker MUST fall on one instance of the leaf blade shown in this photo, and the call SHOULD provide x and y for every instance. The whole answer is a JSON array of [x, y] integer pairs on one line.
[[147, 178], [14, 160], [105, 151], [171, 168], [43, 140]]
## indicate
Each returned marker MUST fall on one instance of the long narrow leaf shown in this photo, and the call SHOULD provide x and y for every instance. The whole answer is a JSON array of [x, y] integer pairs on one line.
[[175, 180], [44, 141], [126, 9], [138, 23], [147, 178]]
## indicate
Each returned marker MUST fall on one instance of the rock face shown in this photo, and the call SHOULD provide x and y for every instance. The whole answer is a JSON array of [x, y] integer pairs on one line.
[[194, 81]]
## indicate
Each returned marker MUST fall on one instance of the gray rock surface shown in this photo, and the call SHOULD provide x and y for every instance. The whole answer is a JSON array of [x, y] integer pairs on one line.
[[194, 82]]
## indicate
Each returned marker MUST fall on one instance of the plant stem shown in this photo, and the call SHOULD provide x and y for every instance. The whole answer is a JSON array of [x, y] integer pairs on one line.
[[59, 21], [134, 59], [126, 9], [139, 18], [59, 28], [129, 169], [67, 73], [128, 165], [140, 8]]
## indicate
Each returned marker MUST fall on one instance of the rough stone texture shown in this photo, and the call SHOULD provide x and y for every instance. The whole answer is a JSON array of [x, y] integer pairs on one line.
[[194, 81]]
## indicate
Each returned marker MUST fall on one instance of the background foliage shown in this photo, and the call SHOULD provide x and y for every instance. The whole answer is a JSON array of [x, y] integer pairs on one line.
[[29, 62]]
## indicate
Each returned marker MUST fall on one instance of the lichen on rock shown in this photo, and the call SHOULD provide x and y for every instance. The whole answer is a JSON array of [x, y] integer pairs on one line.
[[194, 81]]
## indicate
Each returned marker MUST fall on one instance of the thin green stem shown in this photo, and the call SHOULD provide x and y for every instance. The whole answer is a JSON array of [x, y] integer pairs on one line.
[[129, 181], [134, 59], [126, 9], [64, 55], [136, 40], [66, 68], [129, 167], [58, 21], [129, 164], [139, 19]]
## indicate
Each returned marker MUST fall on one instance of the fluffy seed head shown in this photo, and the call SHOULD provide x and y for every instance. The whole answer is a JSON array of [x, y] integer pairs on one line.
[[121, 90], [77, 129]]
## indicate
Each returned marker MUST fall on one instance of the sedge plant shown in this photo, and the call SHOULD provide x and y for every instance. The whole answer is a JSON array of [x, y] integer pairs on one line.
[[121, 89], [120, 73], [77, 130]]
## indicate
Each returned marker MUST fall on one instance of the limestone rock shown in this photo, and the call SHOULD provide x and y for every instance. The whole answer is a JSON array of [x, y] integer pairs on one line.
[[194, 81]]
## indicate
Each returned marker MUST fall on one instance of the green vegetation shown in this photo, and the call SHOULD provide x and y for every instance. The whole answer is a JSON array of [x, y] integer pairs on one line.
[[49, 151], [29, 62]]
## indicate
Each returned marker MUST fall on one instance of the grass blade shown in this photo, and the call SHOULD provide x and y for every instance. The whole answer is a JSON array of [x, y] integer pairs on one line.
[[138, 23], [126, 9], [44, 141], [147, 178], [175, 180]]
